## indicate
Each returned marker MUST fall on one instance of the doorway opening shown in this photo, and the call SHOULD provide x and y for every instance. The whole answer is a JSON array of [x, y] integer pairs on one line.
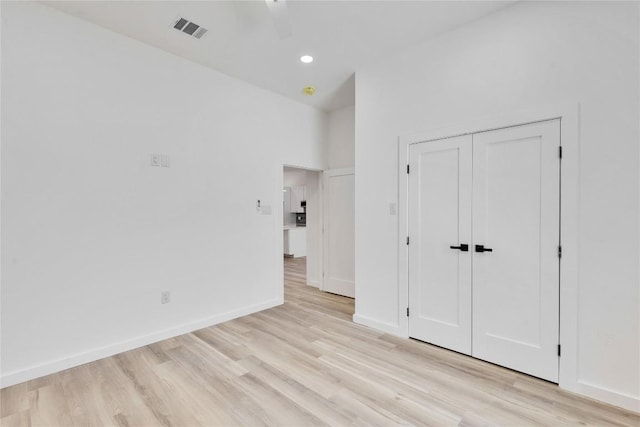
[[318, 231], [302, 224]]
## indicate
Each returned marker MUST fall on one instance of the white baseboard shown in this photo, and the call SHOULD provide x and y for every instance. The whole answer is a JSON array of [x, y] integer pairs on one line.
[[375, 324], [314, 283], [606, 395], [16, 377]]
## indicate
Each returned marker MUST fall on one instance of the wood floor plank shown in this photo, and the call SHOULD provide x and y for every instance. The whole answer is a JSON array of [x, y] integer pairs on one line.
[[298, 393], [122, 401], [222, 400], [83, 397], [304, 363], [14, 399], [48, 407], [153, 391], [17, 419], [201, 399]]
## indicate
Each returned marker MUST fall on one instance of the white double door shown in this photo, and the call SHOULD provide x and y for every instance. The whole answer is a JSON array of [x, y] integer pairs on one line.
[[484, 215]]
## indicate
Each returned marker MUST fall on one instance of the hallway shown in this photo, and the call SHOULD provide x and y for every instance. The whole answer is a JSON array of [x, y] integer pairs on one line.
[[307, 298]]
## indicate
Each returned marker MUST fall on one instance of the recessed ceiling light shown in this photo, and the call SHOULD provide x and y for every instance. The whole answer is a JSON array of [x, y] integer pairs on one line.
[[306, 59]]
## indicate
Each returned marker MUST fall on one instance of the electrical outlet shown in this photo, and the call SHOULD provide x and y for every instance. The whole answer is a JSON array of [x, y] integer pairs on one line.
[[156, 159], [165, 297], [165, 161], [392, 209]]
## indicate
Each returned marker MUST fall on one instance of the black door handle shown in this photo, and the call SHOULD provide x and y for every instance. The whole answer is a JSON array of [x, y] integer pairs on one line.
[[463, 247], [481, 248]]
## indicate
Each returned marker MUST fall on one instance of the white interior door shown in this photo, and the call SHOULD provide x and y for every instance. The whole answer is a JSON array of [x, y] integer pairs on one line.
[[440, 217], [516, 215], [339, 226]]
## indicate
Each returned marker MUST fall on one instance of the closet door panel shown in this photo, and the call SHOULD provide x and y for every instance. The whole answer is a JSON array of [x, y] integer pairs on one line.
[[440, 217], [516, 220]]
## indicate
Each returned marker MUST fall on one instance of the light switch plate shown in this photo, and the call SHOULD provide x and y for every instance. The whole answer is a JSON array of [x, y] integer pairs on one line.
[[156, 159], [165, 161], [165, 297], [392, 209]]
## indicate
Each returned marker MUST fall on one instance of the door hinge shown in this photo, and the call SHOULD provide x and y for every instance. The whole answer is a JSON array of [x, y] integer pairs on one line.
[[407, 240], [407, 168], [407, 311], [560, 151], [558, 350], [559, 251]]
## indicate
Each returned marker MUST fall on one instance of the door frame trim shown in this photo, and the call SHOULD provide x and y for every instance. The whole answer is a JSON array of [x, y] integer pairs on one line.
[[569, 115]]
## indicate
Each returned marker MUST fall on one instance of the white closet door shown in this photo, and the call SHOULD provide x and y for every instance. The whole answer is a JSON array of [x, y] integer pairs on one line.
[[339, 232], [516, 215], [440, 217]]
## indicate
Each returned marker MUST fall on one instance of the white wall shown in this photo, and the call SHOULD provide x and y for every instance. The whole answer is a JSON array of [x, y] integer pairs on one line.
[[341, 138], [294, 177], [91, 232], [527, 55]]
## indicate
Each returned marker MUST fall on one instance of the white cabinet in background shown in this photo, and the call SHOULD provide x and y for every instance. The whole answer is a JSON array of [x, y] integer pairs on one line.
[[286, 205], [297, 196], [295, 241]]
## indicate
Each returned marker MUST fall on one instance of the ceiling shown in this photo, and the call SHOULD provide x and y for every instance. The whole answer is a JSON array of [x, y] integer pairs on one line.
[[242, 39]]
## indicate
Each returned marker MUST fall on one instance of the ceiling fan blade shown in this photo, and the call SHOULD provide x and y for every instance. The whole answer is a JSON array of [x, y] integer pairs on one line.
[[280, 17]]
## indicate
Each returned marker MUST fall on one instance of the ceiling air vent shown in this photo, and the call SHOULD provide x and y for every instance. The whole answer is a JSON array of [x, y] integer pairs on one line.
[[190, 28]]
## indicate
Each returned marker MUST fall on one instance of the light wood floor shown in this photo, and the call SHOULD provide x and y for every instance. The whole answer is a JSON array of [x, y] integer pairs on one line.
[[300, 364]]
